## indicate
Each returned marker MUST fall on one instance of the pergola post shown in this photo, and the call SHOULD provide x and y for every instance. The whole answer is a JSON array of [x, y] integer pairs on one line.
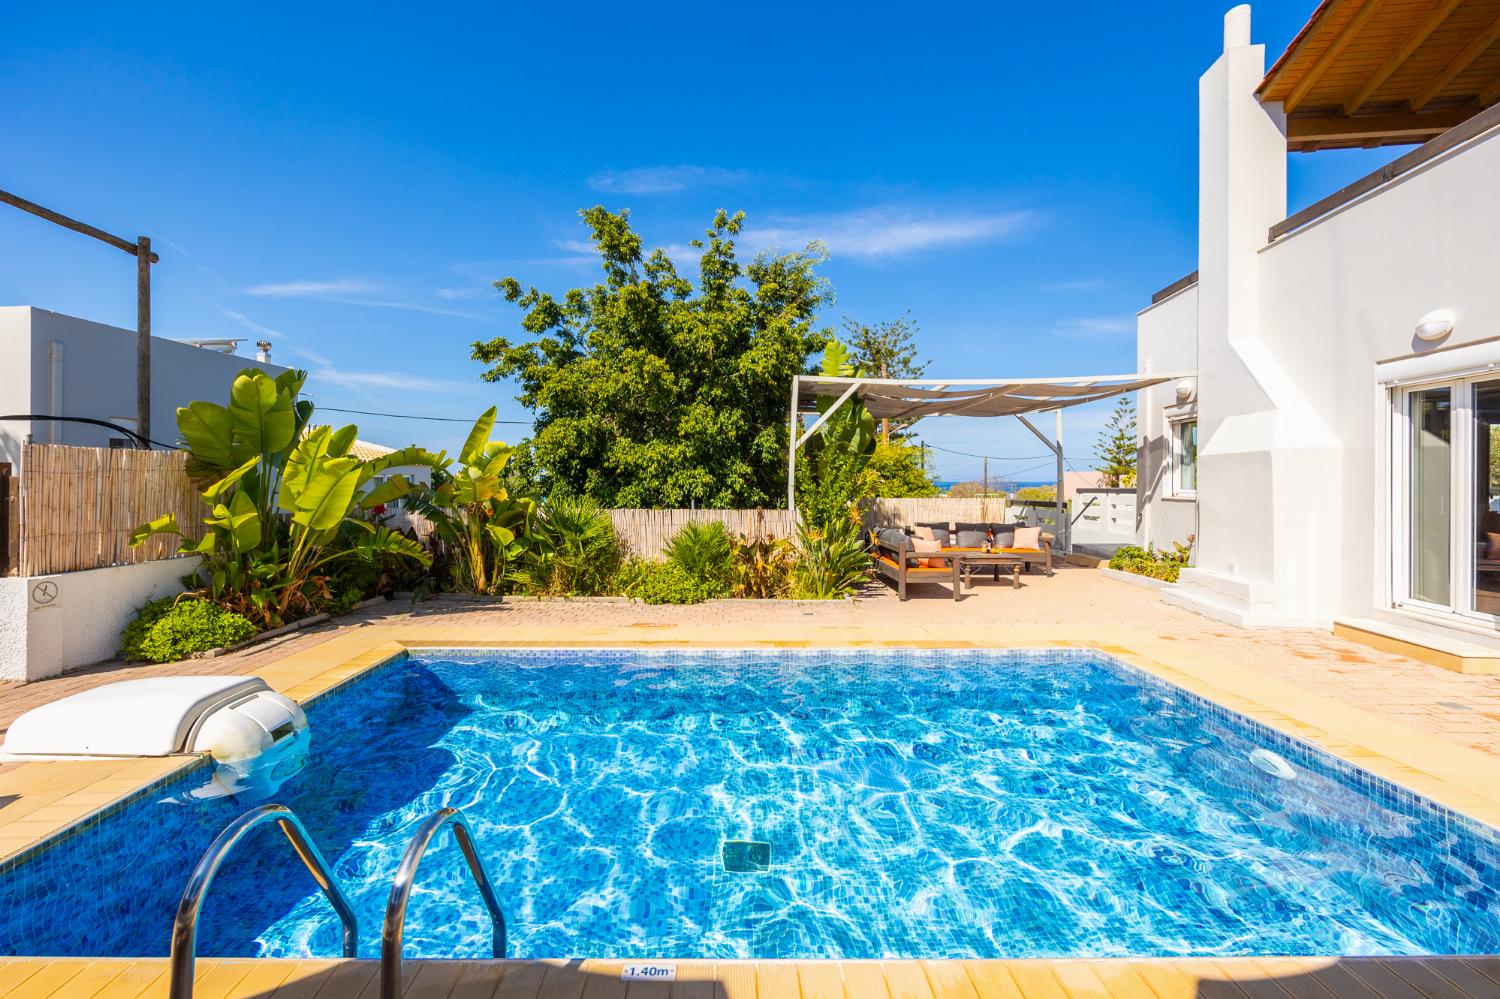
[[1064, 528], [791, 452]]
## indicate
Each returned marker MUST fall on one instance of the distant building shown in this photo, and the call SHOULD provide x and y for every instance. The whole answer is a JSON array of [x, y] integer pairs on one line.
[[58, 365]]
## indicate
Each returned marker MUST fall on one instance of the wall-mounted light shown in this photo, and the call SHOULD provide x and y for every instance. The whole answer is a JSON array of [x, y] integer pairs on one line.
[[1435, 325], [1185, 391]]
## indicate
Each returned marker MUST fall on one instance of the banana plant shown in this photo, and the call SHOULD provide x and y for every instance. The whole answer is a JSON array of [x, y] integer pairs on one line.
[[832, 479], [473, 513], [277, 494]]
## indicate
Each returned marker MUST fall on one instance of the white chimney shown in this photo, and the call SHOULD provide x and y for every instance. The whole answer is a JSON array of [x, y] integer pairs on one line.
[[1237, 27], [263, 351]]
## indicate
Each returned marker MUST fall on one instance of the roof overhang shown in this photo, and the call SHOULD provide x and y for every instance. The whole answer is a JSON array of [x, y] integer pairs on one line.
[[888, 398], [1373, 73]]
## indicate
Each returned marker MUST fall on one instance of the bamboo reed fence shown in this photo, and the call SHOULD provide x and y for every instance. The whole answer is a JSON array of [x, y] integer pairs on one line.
[[646, 532], [78, 505], [935, 510]]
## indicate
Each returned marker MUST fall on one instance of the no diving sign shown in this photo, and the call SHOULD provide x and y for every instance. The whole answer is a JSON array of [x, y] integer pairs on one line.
[[649, 973]]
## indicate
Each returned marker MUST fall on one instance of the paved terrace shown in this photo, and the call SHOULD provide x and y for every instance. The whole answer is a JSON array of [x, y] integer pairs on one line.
[[1421, 726], [1077, 603]]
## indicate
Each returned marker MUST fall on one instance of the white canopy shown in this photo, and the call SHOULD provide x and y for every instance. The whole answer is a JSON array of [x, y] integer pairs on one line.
[[887, 398], [910, 398]]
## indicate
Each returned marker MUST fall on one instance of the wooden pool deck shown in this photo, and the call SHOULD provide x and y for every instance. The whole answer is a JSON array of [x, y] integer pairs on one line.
[[1237, 978]]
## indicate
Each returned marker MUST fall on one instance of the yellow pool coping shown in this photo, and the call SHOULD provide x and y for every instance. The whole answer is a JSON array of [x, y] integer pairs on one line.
[[1158, 978], [43, 800]]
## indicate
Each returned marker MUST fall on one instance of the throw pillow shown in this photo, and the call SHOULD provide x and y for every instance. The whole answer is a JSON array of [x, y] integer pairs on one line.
[[973, 538], [923, 532], [925, 546], [1028, 538]]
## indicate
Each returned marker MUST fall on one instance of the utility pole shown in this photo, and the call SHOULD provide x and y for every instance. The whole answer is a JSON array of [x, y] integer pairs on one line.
[[986, 476], [141, 250]]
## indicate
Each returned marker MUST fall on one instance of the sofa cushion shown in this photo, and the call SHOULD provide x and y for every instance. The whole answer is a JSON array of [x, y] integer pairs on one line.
[[1027, 537], [925, 546], [940, 531], [893, 538], [972, 535]]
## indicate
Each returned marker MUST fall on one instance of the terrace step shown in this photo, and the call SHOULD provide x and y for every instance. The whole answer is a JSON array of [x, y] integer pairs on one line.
[[1235, 600], [1450, 646]]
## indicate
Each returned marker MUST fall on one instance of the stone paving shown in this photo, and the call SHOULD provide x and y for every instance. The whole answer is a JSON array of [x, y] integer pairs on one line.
[[1081, 603]]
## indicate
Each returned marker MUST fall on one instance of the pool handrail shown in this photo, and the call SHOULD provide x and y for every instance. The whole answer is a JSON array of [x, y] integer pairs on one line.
[[395, 909], [185, 925]]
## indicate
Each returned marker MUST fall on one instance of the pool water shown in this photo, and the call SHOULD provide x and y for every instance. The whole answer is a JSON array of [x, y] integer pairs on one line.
[[912, 804]]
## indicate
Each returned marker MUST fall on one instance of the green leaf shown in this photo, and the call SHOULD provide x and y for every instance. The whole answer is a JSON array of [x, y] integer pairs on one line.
[[263, 419], [341, 440], [207, 430], [217, 490], [391, 489], [479, 436], [301, 465], [327, 495], [166, 524]]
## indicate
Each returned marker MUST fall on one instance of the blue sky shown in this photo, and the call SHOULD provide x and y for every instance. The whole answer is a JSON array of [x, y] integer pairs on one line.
[[1019, 177]]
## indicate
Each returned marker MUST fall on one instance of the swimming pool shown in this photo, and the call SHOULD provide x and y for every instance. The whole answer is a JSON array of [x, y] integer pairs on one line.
[[948, 804]]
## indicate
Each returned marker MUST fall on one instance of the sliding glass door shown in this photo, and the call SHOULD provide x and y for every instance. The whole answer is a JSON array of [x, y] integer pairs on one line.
[[1447, 497]]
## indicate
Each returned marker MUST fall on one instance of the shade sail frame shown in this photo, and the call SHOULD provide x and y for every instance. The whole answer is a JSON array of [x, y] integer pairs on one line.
[[985, 398]]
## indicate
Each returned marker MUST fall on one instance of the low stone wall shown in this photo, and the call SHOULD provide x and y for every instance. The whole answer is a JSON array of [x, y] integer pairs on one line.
[[55, 623]]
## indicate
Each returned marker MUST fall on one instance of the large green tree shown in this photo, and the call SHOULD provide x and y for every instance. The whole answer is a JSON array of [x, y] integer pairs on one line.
[[885, 350], [650, 391]]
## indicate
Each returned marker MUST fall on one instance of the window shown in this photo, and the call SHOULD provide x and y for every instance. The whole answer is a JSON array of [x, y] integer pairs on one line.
[[1185, 453], [1447, 496]]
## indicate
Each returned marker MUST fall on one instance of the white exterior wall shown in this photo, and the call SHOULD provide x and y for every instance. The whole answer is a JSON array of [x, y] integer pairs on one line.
[[1166, 340], [92, 374], [1346, 292], [1293, 480], [83, 621]]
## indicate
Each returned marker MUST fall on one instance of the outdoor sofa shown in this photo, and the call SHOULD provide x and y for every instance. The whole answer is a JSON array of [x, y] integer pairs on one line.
[[894, 557], [997, 538]]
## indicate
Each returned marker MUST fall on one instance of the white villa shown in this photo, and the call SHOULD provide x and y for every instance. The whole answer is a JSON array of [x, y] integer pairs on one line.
[[1338, 454]]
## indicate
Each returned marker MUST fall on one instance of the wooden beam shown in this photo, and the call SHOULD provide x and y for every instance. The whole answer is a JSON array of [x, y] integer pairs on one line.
[[127, 245], [143, 258], [1397, 58], [1457, 65], [1398, 125], [1476, 126], [1284, 64], [1491, 95], [1335, 48]]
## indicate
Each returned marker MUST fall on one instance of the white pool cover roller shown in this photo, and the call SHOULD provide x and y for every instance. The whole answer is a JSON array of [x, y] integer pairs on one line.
[[230, 717]]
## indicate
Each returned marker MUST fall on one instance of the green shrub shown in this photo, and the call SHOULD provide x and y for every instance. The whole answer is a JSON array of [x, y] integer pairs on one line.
[[574, 551], [832, 562], [169, 629], [1150, 562], [667, 583], [704, 552]]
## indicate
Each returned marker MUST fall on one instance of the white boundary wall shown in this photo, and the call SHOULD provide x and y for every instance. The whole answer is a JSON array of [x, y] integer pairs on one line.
[[52, 624]]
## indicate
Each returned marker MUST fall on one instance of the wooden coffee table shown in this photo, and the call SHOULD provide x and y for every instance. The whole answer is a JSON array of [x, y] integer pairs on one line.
[[965, 563]]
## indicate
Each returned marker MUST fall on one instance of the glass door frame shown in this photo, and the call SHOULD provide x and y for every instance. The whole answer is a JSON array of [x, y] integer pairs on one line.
[[1463, 516]]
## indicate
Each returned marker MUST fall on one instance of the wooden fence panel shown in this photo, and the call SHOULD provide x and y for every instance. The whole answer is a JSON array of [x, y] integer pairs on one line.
[[646, 532], [936, 509], [78, 506]]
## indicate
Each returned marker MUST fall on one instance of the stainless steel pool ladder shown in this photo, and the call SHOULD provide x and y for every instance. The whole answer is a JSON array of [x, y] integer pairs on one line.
[[395, 909], [185, 926]]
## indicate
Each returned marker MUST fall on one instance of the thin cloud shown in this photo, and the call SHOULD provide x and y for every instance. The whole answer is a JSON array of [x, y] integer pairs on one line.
[[384, 380], [303, 288], [873, 233], [1096, 328], [352, 291], [250, 324], [666, 179]]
